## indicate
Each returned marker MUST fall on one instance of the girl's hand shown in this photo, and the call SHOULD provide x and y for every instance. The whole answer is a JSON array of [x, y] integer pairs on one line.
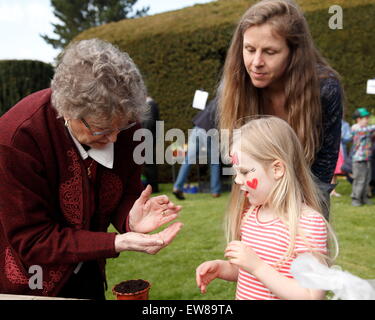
[[206, 272], [148, 214], [243, 256]]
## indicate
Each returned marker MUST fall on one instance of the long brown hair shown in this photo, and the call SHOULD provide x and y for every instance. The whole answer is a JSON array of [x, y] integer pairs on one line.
[[238, 96]]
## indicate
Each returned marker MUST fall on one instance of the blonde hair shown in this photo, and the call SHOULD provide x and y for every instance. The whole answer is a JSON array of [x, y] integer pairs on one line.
[[96, 78], [239, 98], [265, 140]]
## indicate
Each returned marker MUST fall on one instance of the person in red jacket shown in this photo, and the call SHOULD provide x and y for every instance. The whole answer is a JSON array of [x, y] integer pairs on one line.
[[67, 171]]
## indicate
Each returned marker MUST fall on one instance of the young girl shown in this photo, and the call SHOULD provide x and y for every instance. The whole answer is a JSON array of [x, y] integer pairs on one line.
[[276, 217]]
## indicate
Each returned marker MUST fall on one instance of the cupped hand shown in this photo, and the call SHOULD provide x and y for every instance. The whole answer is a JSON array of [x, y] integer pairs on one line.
[[243, 256], [148, 214], [147, 243], [205, 273]]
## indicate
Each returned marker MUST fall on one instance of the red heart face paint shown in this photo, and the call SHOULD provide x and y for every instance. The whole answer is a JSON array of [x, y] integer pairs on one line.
[[235, 159], [252, 184], [253, 177]]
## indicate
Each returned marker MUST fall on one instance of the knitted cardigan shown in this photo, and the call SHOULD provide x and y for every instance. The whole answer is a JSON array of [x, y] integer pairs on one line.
[[47, 217]]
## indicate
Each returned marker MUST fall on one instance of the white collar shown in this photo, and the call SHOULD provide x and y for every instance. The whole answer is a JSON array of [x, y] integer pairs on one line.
[[104, 156]]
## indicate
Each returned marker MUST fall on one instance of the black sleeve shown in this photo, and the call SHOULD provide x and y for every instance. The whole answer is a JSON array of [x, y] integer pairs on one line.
[[326, 158], [151, 117], [206, 118]]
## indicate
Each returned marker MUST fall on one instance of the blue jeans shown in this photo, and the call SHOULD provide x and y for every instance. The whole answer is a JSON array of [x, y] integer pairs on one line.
[[198, 141]]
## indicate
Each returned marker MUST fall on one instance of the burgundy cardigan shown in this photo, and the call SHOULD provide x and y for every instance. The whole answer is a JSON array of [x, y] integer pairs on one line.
[[46, 216]]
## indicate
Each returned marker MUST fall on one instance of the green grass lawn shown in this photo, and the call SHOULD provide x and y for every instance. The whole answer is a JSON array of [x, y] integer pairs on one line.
[[172, 271]]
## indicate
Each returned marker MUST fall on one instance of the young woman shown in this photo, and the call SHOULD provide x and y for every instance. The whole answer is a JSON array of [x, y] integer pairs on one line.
[[273, 68]]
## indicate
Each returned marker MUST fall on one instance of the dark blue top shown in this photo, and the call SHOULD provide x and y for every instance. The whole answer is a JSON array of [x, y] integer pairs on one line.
[[206, 118], [331, 99]]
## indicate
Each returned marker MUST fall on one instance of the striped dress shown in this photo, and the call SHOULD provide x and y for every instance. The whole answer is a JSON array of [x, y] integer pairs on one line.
[[270, 242]]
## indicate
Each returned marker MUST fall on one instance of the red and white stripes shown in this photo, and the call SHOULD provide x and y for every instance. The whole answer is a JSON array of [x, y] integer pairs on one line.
[[270, 240]]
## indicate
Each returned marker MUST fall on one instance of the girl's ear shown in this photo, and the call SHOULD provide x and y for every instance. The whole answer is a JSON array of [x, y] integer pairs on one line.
[[278, 169]]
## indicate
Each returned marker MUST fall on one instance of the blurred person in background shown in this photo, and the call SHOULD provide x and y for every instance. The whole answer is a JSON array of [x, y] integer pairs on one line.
[[204, 121], [362, 134], [151, 169]]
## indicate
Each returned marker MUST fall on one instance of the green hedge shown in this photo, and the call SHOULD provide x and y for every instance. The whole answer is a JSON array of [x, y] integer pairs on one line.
[[18, 78], [184, 50]]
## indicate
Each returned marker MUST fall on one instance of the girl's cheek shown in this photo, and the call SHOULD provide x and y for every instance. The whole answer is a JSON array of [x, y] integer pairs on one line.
[[252, 184]]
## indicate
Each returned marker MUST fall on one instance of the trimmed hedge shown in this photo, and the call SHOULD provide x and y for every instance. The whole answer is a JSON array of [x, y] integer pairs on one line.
[[19, 78], [184, 50], [181, 51]]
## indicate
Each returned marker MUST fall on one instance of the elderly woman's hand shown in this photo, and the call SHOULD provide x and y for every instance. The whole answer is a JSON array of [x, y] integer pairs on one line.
[[148, 214], [148, 243]]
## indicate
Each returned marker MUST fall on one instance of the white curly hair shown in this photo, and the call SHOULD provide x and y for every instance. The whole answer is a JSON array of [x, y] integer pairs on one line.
[[95, 78]]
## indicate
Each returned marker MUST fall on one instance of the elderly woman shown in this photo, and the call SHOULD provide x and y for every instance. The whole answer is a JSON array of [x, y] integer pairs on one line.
[[67, 171]]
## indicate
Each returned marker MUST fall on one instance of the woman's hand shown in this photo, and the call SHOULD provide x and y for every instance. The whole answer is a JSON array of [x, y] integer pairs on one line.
[[147, 243], [148, 214], [243, 256], [206, 272]]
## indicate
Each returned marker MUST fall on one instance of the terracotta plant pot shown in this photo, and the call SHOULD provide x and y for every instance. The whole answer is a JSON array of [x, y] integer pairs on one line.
[[132, 290]]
